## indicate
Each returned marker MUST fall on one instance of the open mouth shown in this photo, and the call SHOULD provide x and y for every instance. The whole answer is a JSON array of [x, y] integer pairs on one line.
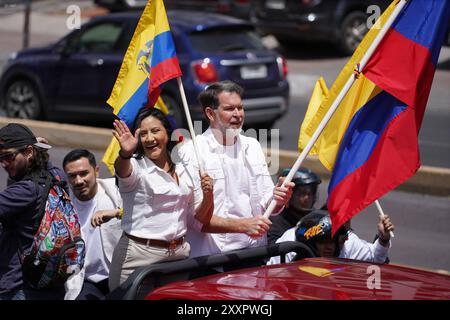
[[152, 146]]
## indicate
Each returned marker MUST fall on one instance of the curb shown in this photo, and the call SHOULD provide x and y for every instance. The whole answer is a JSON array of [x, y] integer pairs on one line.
[[427, 180]]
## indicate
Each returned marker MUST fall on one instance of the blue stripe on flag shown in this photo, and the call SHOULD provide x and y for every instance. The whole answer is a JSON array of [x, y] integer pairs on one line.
[[363, 134], [163, 48], [130, 109]]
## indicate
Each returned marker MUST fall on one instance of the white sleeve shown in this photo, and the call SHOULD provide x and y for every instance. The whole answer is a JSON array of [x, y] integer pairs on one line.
[[358, 249], [288, 235], [130, 183]]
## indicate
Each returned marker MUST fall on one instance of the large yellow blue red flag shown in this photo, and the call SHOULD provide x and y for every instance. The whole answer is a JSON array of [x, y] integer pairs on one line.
[[371, 142], [149, 61]]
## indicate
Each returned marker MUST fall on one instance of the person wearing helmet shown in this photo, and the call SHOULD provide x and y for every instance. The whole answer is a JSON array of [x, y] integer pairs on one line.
[[303, 198], [314, 230]]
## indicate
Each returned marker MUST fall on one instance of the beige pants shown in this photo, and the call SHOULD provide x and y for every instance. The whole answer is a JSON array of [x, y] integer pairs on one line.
[[130, 255]]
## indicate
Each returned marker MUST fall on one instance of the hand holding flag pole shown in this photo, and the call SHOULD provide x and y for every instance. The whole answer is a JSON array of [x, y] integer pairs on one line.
[[338, 101], [380, 210]]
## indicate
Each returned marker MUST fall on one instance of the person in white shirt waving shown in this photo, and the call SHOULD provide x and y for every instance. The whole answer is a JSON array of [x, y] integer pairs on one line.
[[314, 230], [243, 187], [158, 196], [95, 200]]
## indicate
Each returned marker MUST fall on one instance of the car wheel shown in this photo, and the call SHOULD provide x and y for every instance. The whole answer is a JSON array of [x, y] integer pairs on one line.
[[175, 110], [22, 101], [353, 29]]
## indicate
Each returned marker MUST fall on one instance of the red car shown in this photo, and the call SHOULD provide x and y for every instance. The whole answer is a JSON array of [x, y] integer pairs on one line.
[[313, 279], [307, 279]]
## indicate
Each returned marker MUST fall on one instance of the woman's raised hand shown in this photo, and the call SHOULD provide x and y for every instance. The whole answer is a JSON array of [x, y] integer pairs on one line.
[[128, 142]]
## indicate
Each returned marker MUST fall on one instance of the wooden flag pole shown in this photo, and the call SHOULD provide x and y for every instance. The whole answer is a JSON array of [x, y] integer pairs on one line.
[[189, 122], [338, 101], [380, 210]]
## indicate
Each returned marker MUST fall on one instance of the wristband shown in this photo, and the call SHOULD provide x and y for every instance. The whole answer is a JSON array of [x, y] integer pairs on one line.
[[120, 213], [123, 157]]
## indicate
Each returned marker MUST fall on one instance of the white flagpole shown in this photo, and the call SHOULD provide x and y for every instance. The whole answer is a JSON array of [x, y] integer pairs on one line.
[[189, 122], [338, 101], [380, 210]]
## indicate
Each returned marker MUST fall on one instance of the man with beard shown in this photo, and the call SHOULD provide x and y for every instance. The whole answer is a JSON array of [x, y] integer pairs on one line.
[[243, 187], [301, 203], [22, 157]]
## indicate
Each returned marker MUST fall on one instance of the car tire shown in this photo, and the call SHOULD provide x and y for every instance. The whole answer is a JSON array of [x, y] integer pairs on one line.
[[22, 101], [175, 110], [352, 31]]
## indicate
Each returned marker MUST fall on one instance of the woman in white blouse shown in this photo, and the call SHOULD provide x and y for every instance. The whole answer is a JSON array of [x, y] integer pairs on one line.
[[158, 195]]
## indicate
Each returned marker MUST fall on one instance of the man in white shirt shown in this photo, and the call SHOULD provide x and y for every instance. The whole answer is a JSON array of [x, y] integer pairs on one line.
[[345, 243], [243, 187], [97, 202]]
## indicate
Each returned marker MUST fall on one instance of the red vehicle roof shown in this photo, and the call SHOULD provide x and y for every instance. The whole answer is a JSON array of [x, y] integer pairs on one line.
[[312, 279]]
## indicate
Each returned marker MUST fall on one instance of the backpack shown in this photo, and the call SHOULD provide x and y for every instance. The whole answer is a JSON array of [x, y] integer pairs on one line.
[[57, 250]]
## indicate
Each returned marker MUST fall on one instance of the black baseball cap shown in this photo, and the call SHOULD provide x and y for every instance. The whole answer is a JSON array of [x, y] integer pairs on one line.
[[15, 135]]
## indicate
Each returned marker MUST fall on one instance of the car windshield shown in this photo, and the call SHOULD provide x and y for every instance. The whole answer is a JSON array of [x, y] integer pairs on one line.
[[225, 40]]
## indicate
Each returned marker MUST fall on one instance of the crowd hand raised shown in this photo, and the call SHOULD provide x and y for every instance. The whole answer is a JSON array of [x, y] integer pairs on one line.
[[281, 194], [103, 216], [255, 227], [128, 142], [385, 226]]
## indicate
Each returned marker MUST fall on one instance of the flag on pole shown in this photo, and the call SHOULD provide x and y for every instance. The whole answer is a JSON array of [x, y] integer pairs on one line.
[[149, 61], [318, 96], [371, 142]]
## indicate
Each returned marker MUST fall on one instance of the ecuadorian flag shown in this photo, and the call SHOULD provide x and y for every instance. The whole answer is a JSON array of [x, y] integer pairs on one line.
[[149, 61], [371, 142]]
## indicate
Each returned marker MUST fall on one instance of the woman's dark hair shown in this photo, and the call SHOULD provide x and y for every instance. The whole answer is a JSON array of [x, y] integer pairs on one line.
[[153, 112]]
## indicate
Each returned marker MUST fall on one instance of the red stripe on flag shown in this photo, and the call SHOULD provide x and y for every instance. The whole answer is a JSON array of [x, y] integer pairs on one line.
[[393, 160], [162, 72], [402, 68]]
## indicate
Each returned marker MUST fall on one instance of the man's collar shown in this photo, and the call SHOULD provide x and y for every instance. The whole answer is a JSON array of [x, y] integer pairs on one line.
[[214, 144]]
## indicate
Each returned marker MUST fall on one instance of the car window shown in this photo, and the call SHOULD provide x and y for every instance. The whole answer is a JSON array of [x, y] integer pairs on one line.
[[100, 38], [225, 40]]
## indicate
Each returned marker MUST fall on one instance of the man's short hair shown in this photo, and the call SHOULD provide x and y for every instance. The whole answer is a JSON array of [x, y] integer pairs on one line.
[[77, 154], [210, 96]]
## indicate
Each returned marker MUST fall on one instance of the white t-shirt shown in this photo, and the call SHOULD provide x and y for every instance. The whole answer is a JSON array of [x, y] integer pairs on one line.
[[96, 268], [154, 205]]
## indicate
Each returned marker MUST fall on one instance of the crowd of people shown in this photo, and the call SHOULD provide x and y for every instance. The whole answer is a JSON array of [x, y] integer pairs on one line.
[[158, 208]]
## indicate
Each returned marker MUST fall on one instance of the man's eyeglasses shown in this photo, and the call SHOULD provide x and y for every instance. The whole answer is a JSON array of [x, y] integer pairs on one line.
[[9, 156]]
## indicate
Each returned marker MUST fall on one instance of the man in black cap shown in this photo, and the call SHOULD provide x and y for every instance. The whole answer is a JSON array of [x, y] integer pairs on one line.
[[22, 157]]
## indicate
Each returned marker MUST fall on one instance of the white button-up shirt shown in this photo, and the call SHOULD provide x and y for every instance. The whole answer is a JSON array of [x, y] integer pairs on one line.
[[154, 205], [243, 188]]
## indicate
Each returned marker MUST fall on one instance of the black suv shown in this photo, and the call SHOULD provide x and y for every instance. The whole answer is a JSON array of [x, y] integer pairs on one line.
[[342, 22]]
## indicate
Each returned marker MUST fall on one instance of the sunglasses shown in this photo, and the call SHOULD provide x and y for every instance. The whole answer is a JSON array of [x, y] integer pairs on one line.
[[10, 156]]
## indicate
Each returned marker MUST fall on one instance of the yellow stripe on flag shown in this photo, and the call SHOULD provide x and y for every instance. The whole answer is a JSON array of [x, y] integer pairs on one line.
[[319, 94], [329, 141]]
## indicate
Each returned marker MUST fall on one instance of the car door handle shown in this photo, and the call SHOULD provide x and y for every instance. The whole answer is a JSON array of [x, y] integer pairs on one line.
[[95, 62]]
